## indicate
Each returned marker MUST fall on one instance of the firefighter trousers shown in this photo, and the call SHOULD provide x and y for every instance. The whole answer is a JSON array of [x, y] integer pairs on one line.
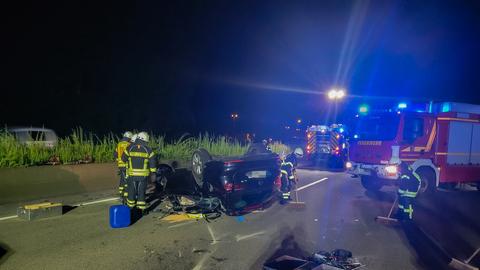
[[137, 187], [122, 185], [405, 207], [286, 187]]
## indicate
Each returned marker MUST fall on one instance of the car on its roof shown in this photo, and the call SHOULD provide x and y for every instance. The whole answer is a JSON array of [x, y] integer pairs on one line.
[[243, 183]]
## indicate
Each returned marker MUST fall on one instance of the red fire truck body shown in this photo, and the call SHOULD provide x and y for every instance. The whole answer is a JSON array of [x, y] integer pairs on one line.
[[442, 147]]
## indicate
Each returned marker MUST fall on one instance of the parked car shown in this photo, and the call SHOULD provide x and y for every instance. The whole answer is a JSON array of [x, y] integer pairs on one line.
[[242, 183], [34, 135]]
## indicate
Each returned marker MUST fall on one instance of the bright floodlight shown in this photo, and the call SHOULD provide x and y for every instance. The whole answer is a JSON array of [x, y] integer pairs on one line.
[[402, 105], [332, 94], [336, 94], [340, 94]]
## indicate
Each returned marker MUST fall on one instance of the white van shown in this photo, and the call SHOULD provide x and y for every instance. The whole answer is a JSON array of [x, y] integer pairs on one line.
[[33, 135]]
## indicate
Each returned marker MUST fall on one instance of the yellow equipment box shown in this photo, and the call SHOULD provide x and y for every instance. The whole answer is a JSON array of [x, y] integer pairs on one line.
[[39, 210]]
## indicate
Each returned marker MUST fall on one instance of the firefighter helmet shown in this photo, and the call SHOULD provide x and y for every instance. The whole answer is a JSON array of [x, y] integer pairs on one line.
[[143, 136], [298, 152], [128, 134]]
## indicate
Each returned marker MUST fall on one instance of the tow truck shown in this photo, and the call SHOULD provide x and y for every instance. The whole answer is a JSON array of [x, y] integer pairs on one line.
[[441, 143], [326, 144]]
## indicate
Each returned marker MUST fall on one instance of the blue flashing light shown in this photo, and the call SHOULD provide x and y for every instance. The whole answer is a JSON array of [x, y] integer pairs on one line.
[[363, 109], [446, 107], [355, 136], [402, 105], [341, 130]]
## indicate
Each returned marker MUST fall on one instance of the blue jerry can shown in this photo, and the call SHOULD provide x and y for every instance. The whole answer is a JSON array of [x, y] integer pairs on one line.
[[119, 216]]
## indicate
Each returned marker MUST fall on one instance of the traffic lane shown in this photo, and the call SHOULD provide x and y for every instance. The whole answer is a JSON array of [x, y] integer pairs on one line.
[[451, 219], [343, 216], [82, 239], [336, 216]]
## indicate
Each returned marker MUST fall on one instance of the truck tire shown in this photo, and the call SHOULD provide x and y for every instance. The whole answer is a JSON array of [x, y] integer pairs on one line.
[[199, 158], [371, 183], [428, 184]]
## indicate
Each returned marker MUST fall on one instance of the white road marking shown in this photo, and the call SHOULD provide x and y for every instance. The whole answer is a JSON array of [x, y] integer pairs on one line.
[[9, 217], [311, 184], [203, 259], [211, 234], [182, 224], [240, 238], [78, 204], [97, 201]]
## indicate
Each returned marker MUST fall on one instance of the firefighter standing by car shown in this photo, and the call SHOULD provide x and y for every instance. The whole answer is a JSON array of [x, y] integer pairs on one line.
[[141, 163], [121, 146], [408, 186], [288, 175]]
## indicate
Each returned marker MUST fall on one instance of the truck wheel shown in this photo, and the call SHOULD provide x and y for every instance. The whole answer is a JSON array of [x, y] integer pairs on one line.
[[371, 183], [199, 158], [428, 184]]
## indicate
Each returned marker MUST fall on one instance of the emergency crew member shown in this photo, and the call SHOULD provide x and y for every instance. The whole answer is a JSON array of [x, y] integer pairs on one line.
[[408, 186], [287, 168], [117, 154], [141, 162]]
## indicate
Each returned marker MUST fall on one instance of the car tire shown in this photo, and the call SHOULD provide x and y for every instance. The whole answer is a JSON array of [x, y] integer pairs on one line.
[[371, 183], [199, 158], [427, 176]]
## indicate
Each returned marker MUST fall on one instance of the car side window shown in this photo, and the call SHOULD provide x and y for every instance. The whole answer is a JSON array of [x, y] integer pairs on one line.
[[413, 128], [37, 135]]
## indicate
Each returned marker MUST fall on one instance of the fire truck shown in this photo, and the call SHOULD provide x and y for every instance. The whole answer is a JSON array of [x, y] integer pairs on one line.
[[326, 144], [442, 144]]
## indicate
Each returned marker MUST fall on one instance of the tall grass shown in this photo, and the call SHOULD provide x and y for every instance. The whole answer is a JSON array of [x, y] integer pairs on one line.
[[83, 147]]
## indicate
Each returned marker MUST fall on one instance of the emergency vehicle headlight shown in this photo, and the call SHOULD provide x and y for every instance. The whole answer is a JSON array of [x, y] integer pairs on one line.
[[391, 169], [348, 165]]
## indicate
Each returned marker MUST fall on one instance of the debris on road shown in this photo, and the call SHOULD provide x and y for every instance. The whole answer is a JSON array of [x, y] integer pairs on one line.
[[338, 259]]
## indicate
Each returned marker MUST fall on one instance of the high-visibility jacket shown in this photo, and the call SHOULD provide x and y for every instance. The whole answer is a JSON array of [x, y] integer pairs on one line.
[[140, 159], [121, 146], [409, 183], [288, 166]]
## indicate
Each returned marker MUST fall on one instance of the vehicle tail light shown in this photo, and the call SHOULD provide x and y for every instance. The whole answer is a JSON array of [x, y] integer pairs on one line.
[[227, 163], [278, 182], [233, 187], [228, 186]]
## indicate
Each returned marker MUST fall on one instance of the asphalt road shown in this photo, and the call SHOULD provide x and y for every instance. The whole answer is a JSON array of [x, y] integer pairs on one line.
[[338, 214]]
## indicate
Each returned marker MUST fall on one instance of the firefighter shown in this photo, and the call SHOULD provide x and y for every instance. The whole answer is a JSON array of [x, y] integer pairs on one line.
[[287, 168], [121, 146], [141, 163], [408, 186]]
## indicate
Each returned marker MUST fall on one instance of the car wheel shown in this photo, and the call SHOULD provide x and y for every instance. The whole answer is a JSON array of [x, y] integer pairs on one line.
[[371, 183], [199, 158]]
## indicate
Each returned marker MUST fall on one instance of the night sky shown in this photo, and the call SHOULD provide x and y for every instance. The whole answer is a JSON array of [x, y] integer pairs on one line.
[[185, 66]]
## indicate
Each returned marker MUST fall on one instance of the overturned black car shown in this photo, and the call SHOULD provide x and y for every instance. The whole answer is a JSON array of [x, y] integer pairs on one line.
[[241, 183]]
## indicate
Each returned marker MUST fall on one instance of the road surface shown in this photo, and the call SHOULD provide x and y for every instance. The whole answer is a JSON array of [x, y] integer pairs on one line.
[[339, 213]]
